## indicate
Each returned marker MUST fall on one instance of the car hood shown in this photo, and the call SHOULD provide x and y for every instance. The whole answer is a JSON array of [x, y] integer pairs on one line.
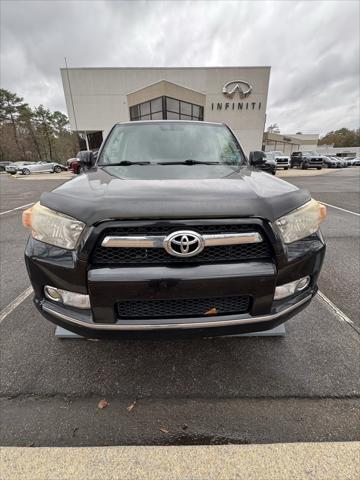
[[97, 196]]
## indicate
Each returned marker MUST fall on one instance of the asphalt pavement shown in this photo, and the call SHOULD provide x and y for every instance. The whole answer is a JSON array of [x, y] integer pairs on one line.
[[300, 388]]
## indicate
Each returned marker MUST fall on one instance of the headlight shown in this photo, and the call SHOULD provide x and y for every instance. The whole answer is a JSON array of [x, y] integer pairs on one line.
[[302, 222], [52, 227]]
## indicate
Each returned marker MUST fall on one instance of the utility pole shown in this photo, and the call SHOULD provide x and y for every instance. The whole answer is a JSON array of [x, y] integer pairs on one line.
[[72, 99]]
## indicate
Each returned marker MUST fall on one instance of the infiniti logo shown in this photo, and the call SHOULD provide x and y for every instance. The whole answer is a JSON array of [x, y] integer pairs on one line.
[[184, 243], [244, 88]]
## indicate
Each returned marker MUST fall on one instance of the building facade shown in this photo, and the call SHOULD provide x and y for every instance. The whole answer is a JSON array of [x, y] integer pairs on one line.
[[290, 143], [97, 98]]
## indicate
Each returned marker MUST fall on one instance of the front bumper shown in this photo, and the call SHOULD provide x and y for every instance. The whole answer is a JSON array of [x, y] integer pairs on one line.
[[83, 324], [48, 265]]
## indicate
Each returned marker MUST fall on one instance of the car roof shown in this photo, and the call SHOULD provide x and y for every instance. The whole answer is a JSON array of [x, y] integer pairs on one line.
[[169, 121]]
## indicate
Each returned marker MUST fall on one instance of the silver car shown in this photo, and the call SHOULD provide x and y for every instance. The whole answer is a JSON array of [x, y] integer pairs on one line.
[[25, 168]]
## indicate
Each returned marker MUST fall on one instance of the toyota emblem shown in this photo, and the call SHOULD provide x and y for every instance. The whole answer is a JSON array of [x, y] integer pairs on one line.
[[184, 243]]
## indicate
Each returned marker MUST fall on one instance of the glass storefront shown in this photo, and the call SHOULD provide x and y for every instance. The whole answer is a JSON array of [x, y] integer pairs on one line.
[[166, 108]]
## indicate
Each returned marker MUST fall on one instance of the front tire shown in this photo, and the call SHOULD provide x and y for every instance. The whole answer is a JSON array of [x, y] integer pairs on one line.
[[318, 168], [57, 169], [303, 166], [25, 171], [286, 168]]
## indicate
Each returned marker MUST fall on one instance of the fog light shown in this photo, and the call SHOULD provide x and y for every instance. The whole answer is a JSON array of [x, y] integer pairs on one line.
[[303, 283], [288, 289], [53, 293], [72, 299]]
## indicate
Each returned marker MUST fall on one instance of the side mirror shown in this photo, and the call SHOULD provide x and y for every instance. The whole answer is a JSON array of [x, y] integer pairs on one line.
[[86, 158], [256, 158]]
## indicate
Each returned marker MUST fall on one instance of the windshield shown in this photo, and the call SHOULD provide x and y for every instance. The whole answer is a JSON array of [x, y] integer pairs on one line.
[[172, 150]]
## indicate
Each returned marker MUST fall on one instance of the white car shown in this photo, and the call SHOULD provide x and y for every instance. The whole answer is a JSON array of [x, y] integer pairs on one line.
[[282, 161], [25, 168]]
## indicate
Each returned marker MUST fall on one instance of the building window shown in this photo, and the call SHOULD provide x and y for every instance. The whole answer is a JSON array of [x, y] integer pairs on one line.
[[179, 110], [166, 108], [151, 110]]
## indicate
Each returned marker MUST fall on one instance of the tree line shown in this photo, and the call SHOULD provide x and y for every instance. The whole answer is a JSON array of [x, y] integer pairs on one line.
[[342, 138], [33, 134]]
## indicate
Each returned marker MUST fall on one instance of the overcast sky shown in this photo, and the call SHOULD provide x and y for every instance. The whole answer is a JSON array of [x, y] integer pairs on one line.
[[312, 47]]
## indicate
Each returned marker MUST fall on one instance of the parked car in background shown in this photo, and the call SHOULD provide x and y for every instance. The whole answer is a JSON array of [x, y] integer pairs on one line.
[[26, 168], [282, 161], [3, 165], [15, 167], [342, 162], [305, 160], [356, 161], [75, 166], [347, 161], [331, 162]]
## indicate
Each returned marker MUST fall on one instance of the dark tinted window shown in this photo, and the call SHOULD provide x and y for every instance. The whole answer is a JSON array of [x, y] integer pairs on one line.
[[166, 108]]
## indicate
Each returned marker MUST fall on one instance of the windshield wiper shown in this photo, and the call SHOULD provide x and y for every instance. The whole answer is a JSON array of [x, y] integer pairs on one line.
[[124, 163], [189, 161]]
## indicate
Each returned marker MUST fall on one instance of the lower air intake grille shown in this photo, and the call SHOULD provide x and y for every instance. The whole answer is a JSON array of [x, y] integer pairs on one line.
[[182, 308]]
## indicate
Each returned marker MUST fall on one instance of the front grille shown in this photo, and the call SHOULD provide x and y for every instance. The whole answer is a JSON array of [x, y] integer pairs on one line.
[[182, 308], [230, 253]]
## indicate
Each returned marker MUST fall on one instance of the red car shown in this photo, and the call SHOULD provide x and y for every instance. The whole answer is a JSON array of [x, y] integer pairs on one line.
[[75, 166]]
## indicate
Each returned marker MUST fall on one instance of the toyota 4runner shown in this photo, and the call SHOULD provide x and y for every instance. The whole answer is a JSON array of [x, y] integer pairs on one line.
[[171, 229]]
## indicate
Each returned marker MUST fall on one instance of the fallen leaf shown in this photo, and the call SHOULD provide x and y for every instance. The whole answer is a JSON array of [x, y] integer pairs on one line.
[[185, 427], [212, 311], [74, 431], [103, 404], [130, 407], [163, 430]]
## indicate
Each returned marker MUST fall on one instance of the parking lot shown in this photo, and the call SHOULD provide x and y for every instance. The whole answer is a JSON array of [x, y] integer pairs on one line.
[[302, 387]]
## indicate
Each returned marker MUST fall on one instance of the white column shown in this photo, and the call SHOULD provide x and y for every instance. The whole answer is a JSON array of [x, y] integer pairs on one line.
[[87, 141]]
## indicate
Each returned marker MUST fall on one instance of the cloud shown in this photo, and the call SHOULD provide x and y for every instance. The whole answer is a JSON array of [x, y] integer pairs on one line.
[[312, 47]]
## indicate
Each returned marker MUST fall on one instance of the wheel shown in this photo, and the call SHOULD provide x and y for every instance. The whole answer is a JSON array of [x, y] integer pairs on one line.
[[25, 171], [57, 169], [291, 166], [273, 172], [318, 168], [286, 168], [303, 166]]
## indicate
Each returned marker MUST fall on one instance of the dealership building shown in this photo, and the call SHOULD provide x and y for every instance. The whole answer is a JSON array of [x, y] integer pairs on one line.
[[96, 98], [289, 143]]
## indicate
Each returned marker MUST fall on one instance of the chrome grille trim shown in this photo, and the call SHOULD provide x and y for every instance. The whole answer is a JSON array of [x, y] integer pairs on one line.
[[158, 241]]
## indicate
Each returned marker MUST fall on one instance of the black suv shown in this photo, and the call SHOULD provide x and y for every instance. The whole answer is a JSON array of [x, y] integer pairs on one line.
[[169, 230], [305, 160]]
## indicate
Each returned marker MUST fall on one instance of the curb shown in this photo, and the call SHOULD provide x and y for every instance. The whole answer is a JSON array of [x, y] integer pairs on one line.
[[320, 461]]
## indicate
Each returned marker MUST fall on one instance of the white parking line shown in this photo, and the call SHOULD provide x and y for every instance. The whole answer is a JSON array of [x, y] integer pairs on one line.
[[339, 208], [334, 309], [17, 208], [15, 303]]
